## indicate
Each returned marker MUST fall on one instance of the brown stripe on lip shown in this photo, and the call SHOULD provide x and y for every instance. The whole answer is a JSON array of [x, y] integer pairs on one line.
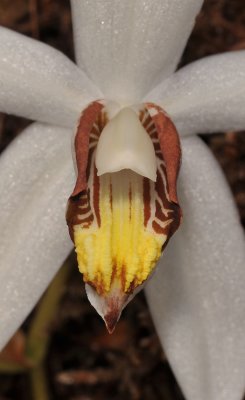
[[96, 187], [130, 202], [170, 146], [79, 210], [159, 213], [87, 220], [160, 190], [85, 126], [147, 200], [168, 153], [157, 228], [111, 199]]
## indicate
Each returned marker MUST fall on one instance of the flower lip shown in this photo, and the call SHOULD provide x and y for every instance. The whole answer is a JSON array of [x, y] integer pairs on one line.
[[120, 222]]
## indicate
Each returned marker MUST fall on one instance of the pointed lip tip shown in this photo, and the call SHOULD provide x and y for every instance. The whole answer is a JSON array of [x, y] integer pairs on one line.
[[111, 329], [109, 305], [110, 325], [111, 320]]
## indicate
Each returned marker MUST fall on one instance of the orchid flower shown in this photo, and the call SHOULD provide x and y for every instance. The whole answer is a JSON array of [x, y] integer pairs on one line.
[[127, 106]]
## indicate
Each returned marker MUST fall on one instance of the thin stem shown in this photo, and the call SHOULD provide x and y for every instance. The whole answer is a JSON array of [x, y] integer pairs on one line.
[[38, 335], [39, 386]]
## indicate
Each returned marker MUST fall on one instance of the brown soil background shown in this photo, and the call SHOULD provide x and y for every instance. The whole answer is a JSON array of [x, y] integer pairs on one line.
[[83, 362]]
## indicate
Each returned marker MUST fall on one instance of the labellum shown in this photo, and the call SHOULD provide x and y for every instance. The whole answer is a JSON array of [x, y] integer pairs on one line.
[[124, 206]]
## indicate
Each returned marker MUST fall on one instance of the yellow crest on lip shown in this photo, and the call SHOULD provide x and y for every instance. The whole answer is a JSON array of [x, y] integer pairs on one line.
[[121, 221], [121, 250]]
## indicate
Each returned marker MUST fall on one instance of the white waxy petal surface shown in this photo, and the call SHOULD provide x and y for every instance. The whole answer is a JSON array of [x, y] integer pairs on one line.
[[125, 144], [36, 178], [39, 82], [207, 95], [127, 47], [197, 295]]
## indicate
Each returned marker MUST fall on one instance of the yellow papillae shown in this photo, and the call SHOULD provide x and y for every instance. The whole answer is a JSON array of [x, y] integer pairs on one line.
[[122, 250]]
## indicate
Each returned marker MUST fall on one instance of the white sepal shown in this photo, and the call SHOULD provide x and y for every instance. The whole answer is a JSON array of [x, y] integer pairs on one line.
[[206, 96], [127, 47], [197, 295], [36, 176], [41, 83]]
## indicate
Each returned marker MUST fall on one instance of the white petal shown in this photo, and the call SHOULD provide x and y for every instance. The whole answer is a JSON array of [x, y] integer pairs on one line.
[[125, 144], [207, 95], [39, 82], [127, 47], [197, 296], [36, 177]]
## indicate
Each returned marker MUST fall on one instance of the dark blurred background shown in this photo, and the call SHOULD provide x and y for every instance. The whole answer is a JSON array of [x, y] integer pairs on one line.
[[63, 351]]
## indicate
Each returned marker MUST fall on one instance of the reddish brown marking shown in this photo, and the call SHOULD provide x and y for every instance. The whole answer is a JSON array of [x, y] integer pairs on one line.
[[111, 319], [147, 200], [88, 219], [177, 218], [167, 149], [74, 215], [92, 121], [160, 189], [90, 155], [157, 228], [102, 120], [83, 201], [111, 199], [170, 146], [141, 116], [85, 210], [145, 121], [97, 284], [71, 215], [151, 131], [158, 148], [133, 285], [123, 277], [114, 307], [96, 197], [86, 122], [159, 213], [114, 271], [130, 202]]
